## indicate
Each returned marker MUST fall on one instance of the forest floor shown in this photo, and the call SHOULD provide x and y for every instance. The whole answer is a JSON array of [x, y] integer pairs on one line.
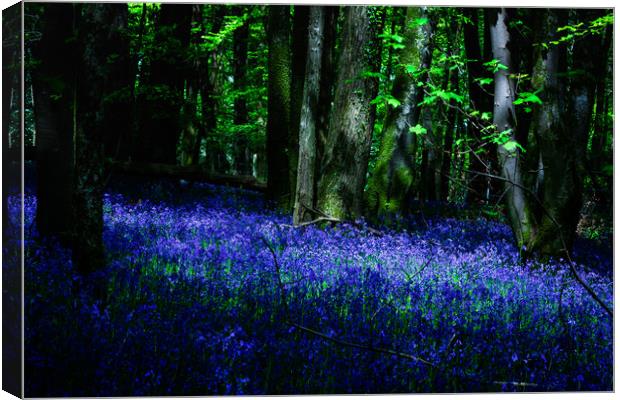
[[209, 291]]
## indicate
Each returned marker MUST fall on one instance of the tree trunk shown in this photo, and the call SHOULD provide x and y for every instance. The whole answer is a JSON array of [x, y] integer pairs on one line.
[[394, 172], [519, 215], [94, 84], [117, 138], [326, 91], [299, 53], [53, 83], [209, 90], [448, 139], [278, 114], [241, 152], [479, 101], [162, 96], [304, 197], [351, 122], [190, 136]]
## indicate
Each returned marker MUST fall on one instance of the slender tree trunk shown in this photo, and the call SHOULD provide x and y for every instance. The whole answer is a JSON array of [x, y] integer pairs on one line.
[[117, 139], [161, 102], [241, 151], [53, 82], [137, 73], [304, 197], [479, 101], [521, 220], [190, 133], [394, 172], [209, 90], [279, 105], [448, 139], [351, 122]]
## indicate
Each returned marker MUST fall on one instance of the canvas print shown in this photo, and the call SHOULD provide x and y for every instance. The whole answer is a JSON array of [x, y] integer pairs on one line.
[[227, 199]]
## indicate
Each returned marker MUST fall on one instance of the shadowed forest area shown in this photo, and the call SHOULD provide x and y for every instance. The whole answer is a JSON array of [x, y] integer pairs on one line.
[[294, 199]]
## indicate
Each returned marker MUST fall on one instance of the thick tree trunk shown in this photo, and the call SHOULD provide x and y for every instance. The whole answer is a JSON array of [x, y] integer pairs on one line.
[[279, 105], [304, 196], [299, 53], [53, 82], [520, 218], [326, 91], [351, 122], [394, 172]]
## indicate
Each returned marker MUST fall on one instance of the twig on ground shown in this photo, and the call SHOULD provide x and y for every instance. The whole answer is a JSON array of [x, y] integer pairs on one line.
[[323, 335]]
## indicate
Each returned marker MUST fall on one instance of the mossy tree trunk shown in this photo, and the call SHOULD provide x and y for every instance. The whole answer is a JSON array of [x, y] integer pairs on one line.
[[345, 162], [391, 181], [305, 195], [278, 107]]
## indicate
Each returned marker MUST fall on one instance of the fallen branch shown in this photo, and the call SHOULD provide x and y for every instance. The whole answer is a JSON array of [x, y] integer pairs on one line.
[[189, 172], [523, 384], [323, 335], [571, 263], [326, 218]]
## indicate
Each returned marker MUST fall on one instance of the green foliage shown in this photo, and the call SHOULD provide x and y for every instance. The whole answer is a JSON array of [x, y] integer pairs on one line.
[[388, 98], [578, 30], [392, 40], [418, 130], [494, 65], [528, 98]]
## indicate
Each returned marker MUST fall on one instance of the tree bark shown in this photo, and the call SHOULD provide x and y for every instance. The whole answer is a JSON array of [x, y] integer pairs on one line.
[[209, 90], [117, 139], [190, 126], [479, 101], [304, 197], [448, 139], [96, 22], [299, 54], [279, 105], [53, 83], [394, 172], [162, 95], [351, 122], [326, 91], [242, 157], [519, 215]]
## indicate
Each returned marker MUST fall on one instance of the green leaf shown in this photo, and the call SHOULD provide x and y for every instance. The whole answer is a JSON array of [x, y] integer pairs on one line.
[[512, 145], [418, 130]]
